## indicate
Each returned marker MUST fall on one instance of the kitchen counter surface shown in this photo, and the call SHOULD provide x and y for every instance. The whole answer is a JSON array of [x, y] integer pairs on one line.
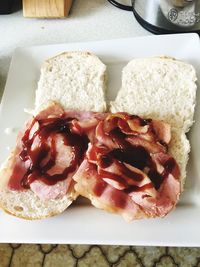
[[88, 21], [27, 255]]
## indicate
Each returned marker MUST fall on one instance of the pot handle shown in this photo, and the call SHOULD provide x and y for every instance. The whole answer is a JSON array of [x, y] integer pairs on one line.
[[121, 6]]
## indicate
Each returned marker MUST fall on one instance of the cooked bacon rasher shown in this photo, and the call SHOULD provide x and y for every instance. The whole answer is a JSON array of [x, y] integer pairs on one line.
[[127, 169], [119, 161]]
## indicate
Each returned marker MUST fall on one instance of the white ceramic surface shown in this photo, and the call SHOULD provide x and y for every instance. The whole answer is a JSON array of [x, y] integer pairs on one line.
[[81, 223]]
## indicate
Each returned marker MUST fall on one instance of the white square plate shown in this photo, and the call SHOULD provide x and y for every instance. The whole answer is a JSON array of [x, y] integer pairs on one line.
[[82, 223]]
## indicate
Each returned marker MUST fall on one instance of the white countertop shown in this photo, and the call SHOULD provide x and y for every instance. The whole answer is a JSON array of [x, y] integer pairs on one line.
[[89, 20]]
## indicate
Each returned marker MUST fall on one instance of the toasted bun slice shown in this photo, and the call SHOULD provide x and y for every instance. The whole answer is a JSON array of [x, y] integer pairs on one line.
[[76, 80], [27, 204], [158, 88], [161, 88]]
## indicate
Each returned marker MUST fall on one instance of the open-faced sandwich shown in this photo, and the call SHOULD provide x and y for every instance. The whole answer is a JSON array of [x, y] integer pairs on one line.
[[130, 160], [36, 180], [137, 165]]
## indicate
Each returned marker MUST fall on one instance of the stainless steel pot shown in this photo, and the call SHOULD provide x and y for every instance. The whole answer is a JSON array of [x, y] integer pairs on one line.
[[165, 16]]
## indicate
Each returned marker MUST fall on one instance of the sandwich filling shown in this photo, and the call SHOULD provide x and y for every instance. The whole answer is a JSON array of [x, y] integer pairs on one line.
[[50, 149], [119, 158], [130, 162]]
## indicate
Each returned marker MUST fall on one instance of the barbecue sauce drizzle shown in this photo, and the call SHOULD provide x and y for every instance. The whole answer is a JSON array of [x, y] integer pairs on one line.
[[48, 127], [136, 156]]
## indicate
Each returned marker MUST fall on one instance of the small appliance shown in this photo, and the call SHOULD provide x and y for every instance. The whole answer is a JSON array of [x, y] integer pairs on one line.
[[165, 16]]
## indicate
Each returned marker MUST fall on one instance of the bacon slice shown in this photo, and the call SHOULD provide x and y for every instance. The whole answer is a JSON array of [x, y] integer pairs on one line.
[[127, 169], [103, 195], [63, 159], [118, 161], [46, 192], [162, 130], [163, 201], [50, 150]]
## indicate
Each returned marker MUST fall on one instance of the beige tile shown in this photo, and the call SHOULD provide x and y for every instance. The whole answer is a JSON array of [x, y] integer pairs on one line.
[[185, 257], [114, 252], [46, 248], [94, 258], [148, 255], [5, 255], [59, 257], [15, 246], [27, 256], [128, 260], [79, 250], [165, 261]]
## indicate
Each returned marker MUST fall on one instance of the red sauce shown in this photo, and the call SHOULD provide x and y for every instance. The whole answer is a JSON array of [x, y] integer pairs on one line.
[[42, 158], [137, 156], [105, 161], [16, 177], [135, 188], [119, 138], [156, 178], [119, 199], [170, 165], [49, 127], [99, 187], [134, 155]]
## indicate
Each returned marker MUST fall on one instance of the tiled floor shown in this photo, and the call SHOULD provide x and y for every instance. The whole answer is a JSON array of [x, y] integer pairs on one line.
[[15, 255]]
